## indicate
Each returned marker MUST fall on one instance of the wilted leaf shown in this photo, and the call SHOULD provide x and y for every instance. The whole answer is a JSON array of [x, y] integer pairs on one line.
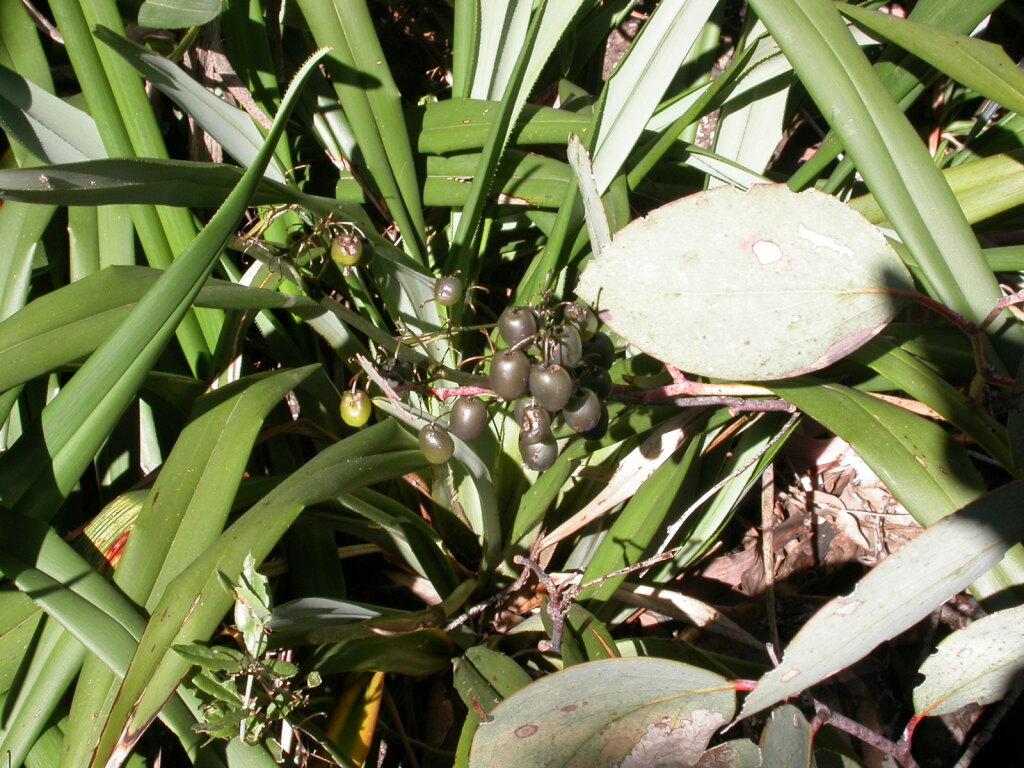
[[765, 284], [626, 712], [252, 607], [979, 664]]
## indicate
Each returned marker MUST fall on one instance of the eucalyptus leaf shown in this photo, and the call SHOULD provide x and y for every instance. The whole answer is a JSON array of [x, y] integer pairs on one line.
[[896, 594], [738, 753], [766, 284], [787, 738], [655, 710], [979, 664]]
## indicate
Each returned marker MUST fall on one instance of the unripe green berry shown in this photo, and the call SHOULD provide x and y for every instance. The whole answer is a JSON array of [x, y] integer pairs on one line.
[[356, 408], [347, 250]]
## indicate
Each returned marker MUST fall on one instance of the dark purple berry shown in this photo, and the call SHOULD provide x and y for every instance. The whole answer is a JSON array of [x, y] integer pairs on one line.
[[448, 291], [517, 324], [583, 411], [437, 445], [599, 351], [550, 385], [582, 317], [535, 425], [566, 347], [538, 456], [468, 418], [596, 379], [600, 429], [510, 374]]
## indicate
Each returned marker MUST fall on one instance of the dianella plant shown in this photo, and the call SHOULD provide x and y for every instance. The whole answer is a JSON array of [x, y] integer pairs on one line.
[[375, 377]]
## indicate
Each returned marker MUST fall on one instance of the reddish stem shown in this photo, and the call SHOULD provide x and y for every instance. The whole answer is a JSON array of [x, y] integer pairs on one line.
[[447, 393], [825, 716]]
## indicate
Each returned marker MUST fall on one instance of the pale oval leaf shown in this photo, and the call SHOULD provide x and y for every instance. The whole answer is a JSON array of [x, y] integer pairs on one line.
[[615, 712], [979, 664], [764, 284]]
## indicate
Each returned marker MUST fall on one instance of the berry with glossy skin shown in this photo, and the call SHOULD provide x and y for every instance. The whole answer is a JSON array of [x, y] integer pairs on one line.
[[583, 411], [347, 250], [356, 408], [535, 425], [566, 346], [448, 291], [510, 374], [597, 379], [437, 445], [517, 324], [538, 456], [582, 317], [599, 351], [550, 385], [600, 429], [468, 418]]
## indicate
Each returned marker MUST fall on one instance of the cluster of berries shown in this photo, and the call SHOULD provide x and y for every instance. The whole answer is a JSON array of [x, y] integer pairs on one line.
[[554, 365]]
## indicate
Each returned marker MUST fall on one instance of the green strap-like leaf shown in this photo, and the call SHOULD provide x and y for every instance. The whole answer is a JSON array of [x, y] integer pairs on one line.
[[56, 658], [178, 14], [230, 127], [981, 66], [195, 601], [48, 460], [372, 104], [118, 102], [49, 128], [886, 149]]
